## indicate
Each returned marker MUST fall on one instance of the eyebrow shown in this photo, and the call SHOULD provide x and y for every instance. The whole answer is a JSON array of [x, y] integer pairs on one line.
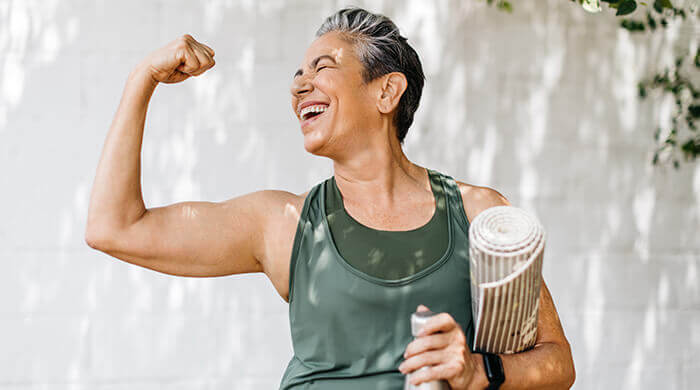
[[315, 62]]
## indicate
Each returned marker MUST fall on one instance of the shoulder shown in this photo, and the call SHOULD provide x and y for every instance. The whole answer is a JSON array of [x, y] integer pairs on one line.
[[265, 204], [477, 199], [276, 207], [279, 213]]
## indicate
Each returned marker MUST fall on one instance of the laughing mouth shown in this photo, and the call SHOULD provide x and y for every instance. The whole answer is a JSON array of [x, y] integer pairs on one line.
[[312, 111]]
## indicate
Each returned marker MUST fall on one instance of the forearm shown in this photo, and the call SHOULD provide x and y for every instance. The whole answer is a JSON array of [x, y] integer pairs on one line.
[[116, 199], [546, 366]]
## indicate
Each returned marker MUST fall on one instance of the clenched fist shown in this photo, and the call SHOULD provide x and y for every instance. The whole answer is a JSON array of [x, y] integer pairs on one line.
[[178, 60]]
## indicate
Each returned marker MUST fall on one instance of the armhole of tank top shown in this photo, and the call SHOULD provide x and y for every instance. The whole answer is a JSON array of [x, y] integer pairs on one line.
[[298, 237], [459, 200]]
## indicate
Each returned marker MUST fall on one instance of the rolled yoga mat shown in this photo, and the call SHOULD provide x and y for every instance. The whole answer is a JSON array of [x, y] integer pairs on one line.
[[506, 248]]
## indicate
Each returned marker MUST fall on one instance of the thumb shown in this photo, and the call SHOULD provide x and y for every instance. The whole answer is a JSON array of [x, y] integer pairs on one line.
[[422, 308]]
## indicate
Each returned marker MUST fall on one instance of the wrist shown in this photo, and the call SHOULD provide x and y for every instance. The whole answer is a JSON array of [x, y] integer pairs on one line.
[[141, 74], [479, 379]]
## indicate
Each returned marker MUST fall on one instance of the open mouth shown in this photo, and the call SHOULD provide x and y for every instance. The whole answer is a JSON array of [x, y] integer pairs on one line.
[[312, 112]]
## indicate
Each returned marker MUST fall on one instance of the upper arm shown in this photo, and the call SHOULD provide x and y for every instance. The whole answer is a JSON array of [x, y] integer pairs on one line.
[[197, 238], [549, 329], [477, 199]]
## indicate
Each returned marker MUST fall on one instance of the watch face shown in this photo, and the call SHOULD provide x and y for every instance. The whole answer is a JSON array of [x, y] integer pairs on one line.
[[494, 368]]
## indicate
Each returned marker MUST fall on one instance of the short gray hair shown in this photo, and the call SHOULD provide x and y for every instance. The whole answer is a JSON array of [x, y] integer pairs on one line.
[[382, 50]]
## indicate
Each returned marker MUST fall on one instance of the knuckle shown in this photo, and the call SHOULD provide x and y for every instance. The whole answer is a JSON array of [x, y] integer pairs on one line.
[[453, 370], [461, 350], [422, 375], [418, 360]]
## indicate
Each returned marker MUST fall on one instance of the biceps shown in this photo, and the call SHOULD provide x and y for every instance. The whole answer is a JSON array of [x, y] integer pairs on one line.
[[549, 329], [192, 239]]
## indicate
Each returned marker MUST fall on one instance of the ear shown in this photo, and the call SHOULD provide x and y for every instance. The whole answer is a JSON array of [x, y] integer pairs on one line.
[[393, 86]]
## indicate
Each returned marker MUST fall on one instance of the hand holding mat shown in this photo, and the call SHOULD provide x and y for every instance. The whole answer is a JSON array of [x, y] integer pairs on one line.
[[506, 248]]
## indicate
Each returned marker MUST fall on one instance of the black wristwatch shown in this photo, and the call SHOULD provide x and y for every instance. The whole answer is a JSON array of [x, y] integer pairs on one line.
[[494, 370]]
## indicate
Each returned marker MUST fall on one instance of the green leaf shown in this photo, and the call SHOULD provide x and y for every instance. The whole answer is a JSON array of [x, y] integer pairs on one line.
[[612, 3], [651, 22], [694, 110], [632, 25], [691, 148], [626, 7], [665, 3], [505, 6], [642, 91]]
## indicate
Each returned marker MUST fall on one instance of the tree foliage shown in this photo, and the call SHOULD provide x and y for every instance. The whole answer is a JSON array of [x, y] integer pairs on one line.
[[683, 138]]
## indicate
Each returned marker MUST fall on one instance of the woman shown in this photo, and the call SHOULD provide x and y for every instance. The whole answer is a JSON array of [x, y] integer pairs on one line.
[[355, 255]]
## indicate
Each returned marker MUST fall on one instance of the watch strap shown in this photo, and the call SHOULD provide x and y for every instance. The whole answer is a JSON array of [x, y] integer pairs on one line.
[[493, 366]]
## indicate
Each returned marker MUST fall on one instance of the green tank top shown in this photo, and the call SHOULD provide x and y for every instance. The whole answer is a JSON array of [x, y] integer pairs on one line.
[[350, 328], [382, 253]]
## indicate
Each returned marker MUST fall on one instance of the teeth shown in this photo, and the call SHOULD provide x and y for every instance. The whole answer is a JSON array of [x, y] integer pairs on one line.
[[314, 108]]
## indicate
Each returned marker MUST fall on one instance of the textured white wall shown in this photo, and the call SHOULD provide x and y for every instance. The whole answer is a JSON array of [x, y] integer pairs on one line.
[[540, 105]]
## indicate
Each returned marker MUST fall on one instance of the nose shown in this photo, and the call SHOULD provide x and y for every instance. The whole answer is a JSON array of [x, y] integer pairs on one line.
[[300, 86]]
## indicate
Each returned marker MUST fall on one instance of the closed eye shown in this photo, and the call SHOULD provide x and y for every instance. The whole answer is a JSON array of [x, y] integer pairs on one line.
[[321, 67]]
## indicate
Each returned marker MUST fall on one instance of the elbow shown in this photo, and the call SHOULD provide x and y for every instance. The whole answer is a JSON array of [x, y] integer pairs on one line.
[[570, 369], [92, 241], [97, 238], [572, 376]]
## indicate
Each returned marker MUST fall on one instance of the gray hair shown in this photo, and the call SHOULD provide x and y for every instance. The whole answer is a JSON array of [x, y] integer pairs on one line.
[[381, 49]]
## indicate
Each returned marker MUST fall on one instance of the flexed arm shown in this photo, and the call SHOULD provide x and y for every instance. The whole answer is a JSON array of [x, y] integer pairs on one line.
[[187, 238]]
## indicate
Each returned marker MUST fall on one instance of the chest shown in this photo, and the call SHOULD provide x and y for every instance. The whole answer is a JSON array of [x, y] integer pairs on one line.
[[279, 237]]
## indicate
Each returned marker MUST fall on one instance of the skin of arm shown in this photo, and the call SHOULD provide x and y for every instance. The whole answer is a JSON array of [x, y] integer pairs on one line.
[[186, 238], [549, 364], [116, 192]]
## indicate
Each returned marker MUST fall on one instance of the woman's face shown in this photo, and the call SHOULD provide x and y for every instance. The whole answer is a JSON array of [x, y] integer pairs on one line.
[[332, 102]]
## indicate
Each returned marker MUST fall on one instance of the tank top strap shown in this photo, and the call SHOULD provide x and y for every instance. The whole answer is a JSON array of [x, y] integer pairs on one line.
[[454, 199], [308, 216]]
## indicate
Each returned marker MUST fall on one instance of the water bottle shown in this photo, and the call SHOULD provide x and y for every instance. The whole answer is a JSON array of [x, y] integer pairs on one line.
[[418, 320]]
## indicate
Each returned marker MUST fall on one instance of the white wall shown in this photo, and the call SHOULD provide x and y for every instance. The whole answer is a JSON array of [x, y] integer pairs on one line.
[[539, 104]]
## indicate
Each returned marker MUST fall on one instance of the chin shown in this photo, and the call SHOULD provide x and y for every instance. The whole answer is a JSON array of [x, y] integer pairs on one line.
[[314, 141]]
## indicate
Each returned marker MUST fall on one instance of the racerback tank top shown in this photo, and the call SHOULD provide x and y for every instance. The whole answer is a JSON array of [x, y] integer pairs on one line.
[[349, 328]]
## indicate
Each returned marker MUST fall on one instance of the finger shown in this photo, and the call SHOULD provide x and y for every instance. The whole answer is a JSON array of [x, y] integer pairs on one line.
[[422, 308], [191, 63], [426, 343], [207, 48], [427, 358], [208, 51], [205, 60], [436, 372], [442, 322]]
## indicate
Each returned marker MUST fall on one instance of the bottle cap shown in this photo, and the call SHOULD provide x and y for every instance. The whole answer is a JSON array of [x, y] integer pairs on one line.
[[418, 320]]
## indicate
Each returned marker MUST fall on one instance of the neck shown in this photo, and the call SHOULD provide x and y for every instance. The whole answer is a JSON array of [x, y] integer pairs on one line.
[[379, 170]]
